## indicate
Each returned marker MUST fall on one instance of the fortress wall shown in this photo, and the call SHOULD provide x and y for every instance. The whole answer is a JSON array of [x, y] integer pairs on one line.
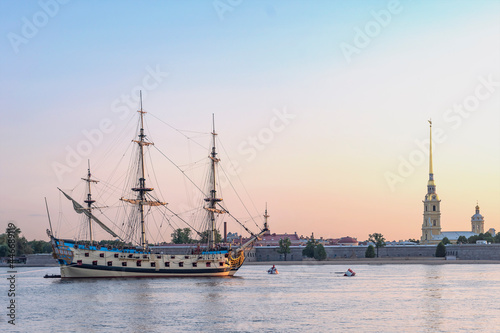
[[270, 253], [474, 251], [465, 252]]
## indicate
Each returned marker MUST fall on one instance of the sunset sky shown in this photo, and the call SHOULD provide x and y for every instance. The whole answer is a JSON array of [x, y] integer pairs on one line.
[[323, 106]]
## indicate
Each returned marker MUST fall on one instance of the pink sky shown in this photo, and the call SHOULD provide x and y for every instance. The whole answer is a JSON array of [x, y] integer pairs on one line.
[[316, 133]]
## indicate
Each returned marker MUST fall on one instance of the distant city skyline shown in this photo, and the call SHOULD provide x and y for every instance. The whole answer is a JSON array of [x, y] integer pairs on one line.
[[321, 106]]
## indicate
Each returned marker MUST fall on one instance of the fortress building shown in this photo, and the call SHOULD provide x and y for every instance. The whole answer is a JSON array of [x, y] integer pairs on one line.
[[431, 226], [477, 222]]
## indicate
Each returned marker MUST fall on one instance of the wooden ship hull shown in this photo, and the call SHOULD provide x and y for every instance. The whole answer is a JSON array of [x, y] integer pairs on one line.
[[79, 261]]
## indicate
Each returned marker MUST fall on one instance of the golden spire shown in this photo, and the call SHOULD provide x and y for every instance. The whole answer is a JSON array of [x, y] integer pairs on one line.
[[430, 150], [431, 186]]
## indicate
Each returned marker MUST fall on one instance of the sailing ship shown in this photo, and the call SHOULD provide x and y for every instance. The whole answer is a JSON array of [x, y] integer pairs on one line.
[[87, 259]]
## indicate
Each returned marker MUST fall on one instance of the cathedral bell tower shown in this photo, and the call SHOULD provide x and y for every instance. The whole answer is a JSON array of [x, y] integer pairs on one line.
[[431, 225], [477, 222]]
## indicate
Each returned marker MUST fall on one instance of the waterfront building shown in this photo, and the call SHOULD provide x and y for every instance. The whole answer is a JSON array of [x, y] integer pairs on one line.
[[477, 222], [273, 239], [431, 226], [344, 241], [268, 239], [231, 237]]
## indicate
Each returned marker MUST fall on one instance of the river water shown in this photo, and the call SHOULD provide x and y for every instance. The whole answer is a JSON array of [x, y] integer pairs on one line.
[[380, 298]]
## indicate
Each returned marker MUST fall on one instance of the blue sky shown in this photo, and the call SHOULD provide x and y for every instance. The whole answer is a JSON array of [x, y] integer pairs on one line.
[[353, 118]]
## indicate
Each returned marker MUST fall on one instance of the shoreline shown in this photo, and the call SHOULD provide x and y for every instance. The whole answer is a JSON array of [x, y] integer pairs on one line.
[[347, 261], [377, 261]]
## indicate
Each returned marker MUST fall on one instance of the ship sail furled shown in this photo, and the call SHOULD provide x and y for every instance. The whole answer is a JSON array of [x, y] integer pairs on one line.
[[143, 202], [80, 209], [212, 199], [141, 189]]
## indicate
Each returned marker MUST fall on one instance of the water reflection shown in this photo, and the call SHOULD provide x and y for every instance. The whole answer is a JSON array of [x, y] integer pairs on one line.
[[432, 297], [210, 282]]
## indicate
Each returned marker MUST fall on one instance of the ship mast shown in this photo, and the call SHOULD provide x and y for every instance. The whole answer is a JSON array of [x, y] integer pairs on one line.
[[212, 199], [89, 200], [142, 189]]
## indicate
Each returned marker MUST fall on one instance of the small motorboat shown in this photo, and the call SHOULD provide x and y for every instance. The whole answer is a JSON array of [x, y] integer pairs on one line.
[[52, 276], [349, 272], [272, 270]]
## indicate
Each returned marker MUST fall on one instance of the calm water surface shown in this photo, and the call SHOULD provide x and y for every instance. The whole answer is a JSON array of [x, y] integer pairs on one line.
[[380, 298]]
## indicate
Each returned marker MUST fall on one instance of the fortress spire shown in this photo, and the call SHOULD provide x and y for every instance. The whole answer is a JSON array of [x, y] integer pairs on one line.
[[431, 226], [431, 173], [431, 186]]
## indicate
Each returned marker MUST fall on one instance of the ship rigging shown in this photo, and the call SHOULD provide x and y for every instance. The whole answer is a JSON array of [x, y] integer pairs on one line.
[[80, 258]]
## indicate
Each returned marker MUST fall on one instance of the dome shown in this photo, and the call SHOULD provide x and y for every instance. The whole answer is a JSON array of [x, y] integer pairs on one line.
[[431, 197], [477, 217]]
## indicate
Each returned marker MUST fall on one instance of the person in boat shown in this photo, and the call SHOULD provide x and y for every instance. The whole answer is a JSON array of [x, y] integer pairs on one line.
[[272, 269]]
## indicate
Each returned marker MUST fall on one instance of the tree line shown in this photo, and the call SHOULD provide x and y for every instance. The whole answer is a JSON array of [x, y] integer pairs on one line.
[[22, 245], [472, 239], [314, 249], [183, 236]]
